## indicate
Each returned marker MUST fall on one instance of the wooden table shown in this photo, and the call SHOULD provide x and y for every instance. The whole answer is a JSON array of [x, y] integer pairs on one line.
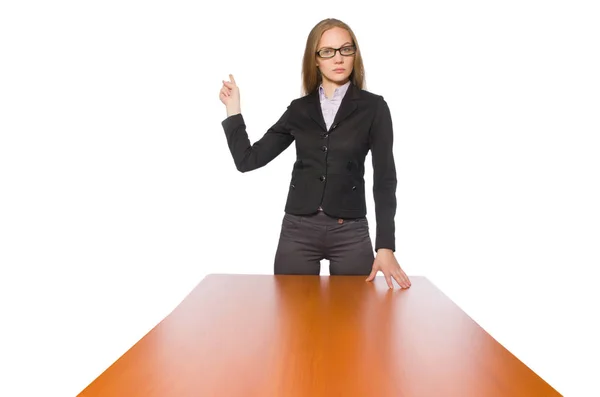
[[310, 336]]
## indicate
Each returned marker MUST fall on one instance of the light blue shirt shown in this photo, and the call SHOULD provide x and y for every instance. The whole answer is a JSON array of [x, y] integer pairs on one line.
[[330, 106]]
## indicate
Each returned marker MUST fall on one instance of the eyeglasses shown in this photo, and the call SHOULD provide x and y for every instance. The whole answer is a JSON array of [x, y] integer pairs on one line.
[[330, 52]]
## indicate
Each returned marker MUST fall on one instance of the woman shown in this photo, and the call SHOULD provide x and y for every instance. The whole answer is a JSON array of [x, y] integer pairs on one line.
[[334, 125]]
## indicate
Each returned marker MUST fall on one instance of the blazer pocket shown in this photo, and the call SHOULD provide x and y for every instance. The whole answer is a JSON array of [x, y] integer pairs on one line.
[[297, 192], [295, 173], [354, 195]]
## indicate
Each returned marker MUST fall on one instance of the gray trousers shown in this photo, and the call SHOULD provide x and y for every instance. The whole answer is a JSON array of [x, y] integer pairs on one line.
[[305, 240]]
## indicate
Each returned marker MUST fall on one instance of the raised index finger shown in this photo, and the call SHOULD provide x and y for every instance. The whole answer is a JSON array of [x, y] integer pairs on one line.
[[231, 78]]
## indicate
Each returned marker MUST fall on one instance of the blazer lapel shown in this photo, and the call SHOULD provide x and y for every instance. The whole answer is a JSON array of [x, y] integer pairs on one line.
[[314, 110], [347, 106]]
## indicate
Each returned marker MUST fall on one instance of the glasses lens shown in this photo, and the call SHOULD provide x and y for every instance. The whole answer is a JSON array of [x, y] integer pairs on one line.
[[347, 50], [326, 52]]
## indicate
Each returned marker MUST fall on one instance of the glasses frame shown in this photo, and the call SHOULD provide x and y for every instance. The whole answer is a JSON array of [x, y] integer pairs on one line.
[[335, 51]]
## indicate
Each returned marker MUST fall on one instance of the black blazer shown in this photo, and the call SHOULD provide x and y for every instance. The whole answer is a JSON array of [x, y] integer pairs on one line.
[[329, 168]]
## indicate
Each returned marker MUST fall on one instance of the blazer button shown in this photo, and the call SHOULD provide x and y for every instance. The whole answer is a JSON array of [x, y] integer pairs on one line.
[[324, 148], [353, 187], [324, 136], [322, 178], [333, 126], [293, 186]]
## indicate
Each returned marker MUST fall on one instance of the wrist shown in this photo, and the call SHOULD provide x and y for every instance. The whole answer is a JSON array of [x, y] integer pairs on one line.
[[233, 110]]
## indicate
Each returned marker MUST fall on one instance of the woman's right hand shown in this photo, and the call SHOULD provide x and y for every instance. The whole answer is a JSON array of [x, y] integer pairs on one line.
[[230, 96]]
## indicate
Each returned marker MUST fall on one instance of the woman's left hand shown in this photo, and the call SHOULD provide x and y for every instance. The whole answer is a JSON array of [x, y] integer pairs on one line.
[[387, 263]]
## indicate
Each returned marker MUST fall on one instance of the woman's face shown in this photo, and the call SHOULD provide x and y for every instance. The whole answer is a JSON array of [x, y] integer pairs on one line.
[[338, 68]]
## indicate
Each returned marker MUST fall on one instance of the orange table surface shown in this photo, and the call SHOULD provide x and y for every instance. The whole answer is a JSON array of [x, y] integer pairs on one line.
[[288, 336]]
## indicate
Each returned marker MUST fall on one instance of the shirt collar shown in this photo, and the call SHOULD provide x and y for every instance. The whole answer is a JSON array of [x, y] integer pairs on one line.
[[337, 94]]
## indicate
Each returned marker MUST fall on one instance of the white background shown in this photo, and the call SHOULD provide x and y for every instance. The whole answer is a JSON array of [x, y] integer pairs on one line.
[[118, 193]]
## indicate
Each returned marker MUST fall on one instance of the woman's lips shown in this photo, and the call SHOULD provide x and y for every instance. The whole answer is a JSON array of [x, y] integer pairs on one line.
[[339, 70]]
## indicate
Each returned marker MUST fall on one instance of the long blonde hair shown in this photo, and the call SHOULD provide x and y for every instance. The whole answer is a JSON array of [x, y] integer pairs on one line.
[[311, 75]]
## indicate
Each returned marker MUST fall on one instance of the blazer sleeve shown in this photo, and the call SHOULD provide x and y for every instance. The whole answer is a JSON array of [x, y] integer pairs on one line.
[[384, 176], [247, 156]]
